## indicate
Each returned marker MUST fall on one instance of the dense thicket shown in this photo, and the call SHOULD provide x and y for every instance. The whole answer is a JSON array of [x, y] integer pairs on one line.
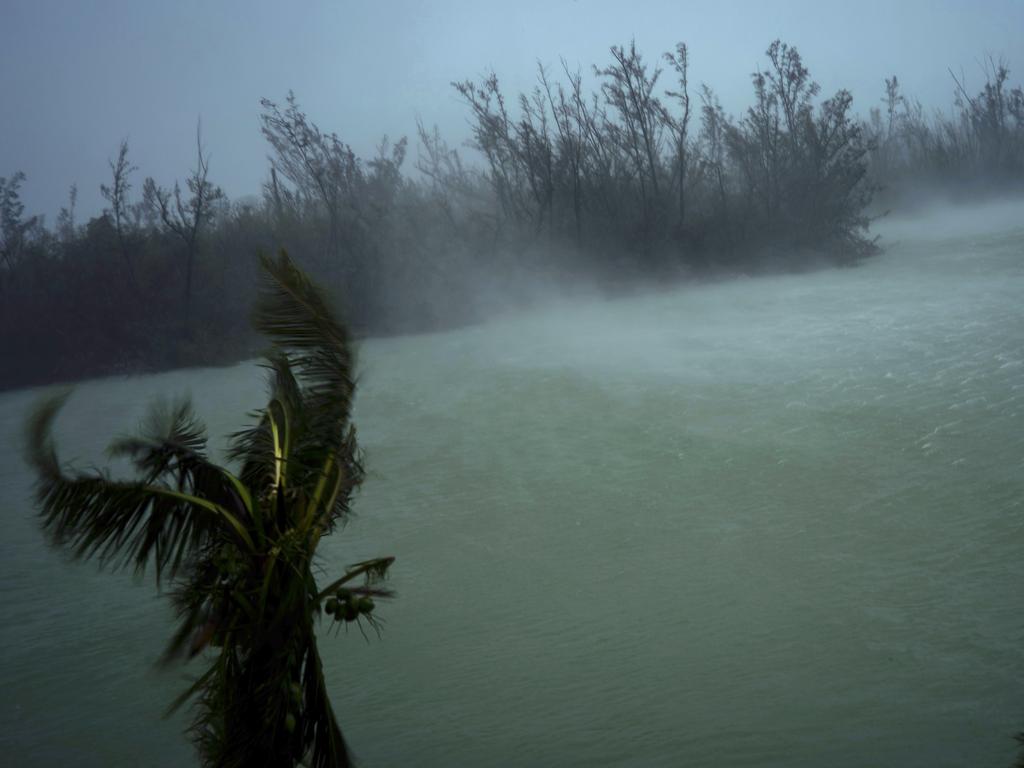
[[644, 177]]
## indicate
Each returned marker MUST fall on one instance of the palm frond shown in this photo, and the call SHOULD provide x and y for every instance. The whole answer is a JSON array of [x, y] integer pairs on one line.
[[172, 448], [126, 523], [322, 732], [373, 572], [41, 451], [240, 548], [253, 446], [294, 314], [311, 390], [171, 435]]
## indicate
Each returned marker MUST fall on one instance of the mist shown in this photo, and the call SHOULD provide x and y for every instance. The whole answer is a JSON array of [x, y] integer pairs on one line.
[[533, 384]]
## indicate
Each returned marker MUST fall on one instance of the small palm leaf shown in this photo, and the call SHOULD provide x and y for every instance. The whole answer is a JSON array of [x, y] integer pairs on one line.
[[133, 522], [170, 435]]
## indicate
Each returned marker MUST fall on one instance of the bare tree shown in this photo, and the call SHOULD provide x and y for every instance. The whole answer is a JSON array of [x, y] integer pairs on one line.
[[680, 62], [117, 195], [186, 218], [893, 99], [66, 217], [536, 152], [755, 145], [714, 124], [570, 141], [323, 170], [494, 136], [443, 167], [629, 89], [14, 228]]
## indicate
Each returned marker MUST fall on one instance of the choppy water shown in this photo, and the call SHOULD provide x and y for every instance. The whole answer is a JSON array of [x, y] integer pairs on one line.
[[771, 522]]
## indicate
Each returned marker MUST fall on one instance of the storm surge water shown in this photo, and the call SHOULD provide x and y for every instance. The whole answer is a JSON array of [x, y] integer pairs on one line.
[[773, 521]]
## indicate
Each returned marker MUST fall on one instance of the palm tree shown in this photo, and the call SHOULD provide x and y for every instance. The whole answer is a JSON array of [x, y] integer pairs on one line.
[[238, 547]]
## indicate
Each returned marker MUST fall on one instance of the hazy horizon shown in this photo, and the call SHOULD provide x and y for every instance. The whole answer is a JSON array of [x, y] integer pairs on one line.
[[81, 78]]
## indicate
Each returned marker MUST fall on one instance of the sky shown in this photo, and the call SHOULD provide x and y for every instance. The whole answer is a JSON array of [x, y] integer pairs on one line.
[[78, 77]]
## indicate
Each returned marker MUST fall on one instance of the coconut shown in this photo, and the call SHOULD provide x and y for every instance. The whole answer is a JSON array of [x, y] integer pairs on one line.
[[351, 611]]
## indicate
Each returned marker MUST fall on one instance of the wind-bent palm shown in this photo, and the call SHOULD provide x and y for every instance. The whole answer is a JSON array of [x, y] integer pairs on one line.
[[239, 547]]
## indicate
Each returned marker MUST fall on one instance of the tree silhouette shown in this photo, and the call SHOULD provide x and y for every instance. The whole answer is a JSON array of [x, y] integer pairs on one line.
[[239, 546]]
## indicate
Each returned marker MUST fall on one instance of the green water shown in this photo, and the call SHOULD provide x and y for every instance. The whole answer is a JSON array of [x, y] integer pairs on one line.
[[771, 522]]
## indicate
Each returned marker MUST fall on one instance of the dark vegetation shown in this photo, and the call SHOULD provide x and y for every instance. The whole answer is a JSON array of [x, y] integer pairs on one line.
[[977, 148], [239, 548], [645, 178]]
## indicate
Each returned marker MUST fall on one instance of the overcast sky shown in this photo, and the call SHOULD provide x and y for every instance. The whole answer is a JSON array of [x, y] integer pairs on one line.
[[76, 77]]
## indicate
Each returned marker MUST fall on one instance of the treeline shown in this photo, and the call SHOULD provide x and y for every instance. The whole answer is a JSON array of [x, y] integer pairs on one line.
[[980, 145], [644, 177], [658, 172]]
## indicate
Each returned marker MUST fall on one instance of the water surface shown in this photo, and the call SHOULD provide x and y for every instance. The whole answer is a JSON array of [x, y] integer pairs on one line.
[[771, 522]]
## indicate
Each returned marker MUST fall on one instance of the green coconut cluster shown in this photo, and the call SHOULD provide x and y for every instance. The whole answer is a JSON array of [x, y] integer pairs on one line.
[[348, 606]]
